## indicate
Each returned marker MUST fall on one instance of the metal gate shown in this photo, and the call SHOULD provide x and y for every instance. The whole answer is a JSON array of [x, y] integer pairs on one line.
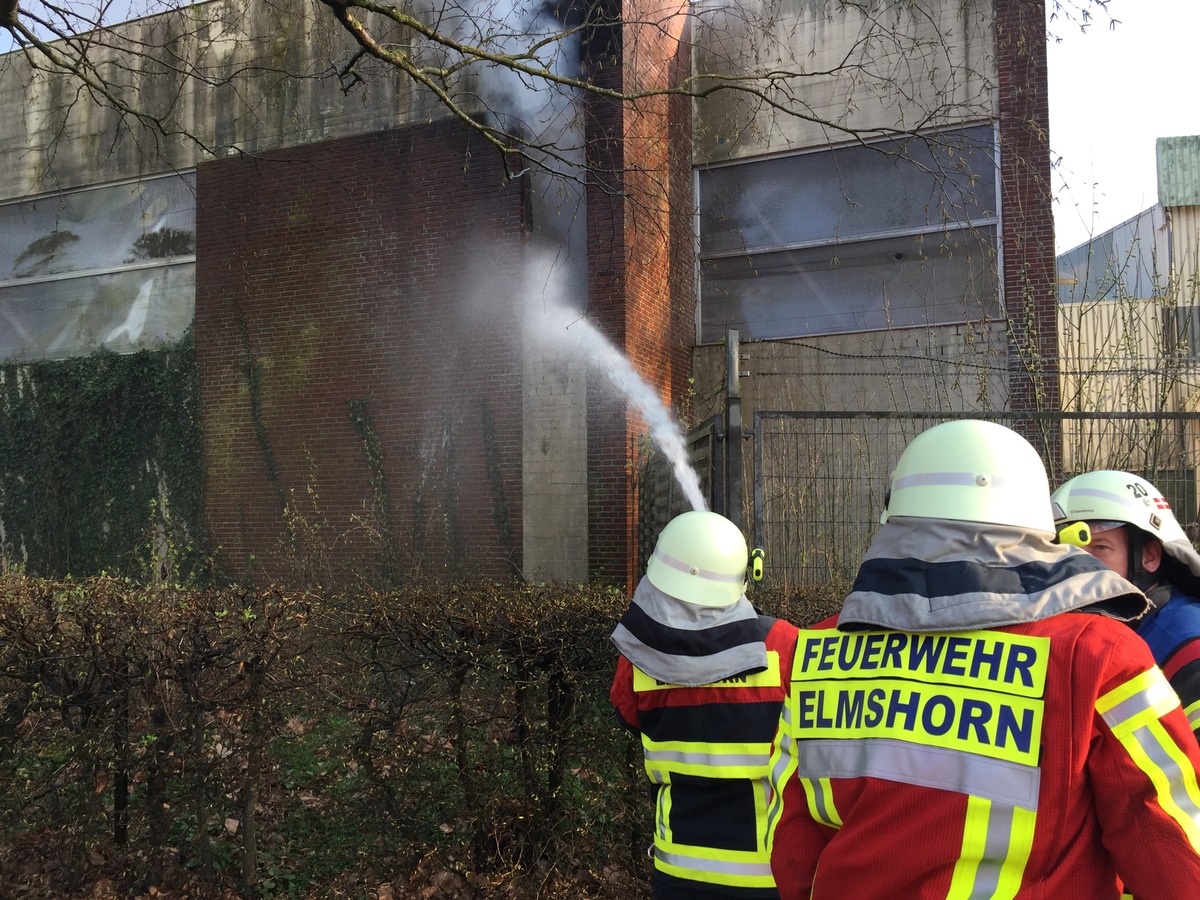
[[820, 478], [659, 496]]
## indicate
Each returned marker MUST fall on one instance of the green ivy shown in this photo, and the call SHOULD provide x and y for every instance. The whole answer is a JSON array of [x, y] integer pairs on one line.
[[100, 464], [381, 501]]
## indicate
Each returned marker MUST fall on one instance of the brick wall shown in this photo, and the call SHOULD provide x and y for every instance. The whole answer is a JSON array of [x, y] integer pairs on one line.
[[1026, 214], [366, 277]]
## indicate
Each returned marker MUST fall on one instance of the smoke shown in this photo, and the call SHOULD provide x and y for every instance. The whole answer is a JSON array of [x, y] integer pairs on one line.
[[549, 117], [531, 34]]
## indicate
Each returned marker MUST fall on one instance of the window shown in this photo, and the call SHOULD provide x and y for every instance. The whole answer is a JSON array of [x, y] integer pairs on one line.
[[895, 234], [108, 267]]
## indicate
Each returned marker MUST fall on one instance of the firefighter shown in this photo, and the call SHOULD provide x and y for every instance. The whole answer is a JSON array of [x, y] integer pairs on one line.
[[1132, 530], [978, 721], [701, 678]]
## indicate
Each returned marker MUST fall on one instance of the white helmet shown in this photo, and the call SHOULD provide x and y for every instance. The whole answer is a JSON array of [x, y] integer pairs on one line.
[[1111, 496], [972, 471], [1108, 498], [700, 558]]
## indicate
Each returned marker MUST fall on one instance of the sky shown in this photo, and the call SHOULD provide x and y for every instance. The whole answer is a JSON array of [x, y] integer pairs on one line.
[[1113, 92]]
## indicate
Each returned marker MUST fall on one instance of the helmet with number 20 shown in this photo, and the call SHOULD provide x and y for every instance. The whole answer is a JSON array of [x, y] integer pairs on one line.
[[1107, 495]]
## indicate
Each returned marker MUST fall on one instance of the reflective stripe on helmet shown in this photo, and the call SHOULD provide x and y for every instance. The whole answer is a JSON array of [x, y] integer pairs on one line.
[[706, 574], [948, 479], [1100, 494]]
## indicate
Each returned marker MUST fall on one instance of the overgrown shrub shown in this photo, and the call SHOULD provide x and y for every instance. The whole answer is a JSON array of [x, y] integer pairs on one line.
[[435, 741]]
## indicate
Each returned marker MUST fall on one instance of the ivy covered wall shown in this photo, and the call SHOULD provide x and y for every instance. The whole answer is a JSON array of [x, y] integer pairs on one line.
[[100, 465]]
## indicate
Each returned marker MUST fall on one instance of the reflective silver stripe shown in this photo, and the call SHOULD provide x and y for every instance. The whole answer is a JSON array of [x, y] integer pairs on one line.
[[995, 850], [1157, 691], [921, 479], [1193, 714], [1118, 499], [822, 802], [1136, 722], [706, 574], [935, 767], [950, 479], [714, 866], [783, 763], [660, 814], [710, 760], [1150, 740], [997, 839]]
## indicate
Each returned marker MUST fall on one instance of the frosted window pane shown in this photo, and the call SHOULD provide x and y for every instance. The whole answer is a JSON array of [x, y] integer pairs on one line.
[[110, 267], [99, 228], [123, 312], [849, 192], [863, 286]]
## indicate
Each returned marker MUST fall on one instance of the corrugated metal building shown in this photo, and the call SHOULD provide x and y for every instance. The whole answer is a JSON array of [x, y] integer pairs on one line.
[[1129, 328]]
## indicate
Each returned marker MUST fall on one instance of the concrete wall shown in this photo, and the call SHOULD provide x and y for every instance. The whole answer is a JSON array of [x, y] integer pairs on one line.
[[954, 368], [850, 65], [975, 61], [246, 77], [851, 71]]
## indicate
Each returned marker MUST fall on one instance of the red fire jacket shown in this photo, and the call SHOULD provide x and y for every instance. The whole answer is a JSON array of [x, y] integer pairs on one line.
[[1040, 760]]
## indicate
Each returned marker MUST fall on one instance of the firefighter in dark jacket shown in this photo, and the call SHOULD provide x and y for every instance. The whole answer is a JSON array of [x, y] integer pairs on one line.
[[1132, 530], [702, 679]]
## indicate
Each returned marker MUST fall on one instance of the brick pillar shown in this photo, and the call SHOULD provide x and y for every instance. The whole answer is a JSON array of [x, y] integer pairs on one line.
[[640, 285], [1027, 220]]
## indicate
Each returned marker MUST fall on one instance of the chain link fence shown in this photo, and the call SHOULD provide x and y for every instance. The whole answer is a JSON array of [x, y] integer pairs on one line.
[[820, 478]]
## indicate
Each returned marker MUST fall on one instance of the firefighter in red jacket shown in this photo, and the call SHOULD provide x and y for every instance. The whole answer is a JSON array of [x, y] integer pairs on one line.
[[702, 678], [979, 722]]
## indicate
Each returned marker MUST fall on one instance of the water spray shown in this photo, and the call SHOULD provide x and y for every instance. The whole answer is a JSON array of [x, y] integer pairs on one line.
[[663, 429], [553, 322]]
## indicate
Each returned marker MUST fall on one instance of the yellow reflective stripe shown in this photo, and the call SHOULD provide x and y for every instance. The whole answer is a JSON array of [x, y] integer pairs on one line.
[[783, 766], [1192, 711], [1140, 699], [962, 885], [1133, 711], [735, 868], [1020, 846], [663, 815], [746, 760], [997, 840], [768, 677], [714, 865], [819, 794]]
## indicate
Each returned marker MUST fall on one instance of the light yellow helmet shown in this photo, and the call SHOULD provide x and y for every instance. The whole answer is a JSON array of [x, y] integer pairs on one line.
[[972, 471], [1108, 495], [700, 558]]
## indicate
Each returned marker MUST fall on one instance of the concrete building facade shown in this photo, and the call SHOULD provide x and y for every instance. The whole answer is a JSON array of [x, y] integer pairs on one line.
[[369, 278]]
